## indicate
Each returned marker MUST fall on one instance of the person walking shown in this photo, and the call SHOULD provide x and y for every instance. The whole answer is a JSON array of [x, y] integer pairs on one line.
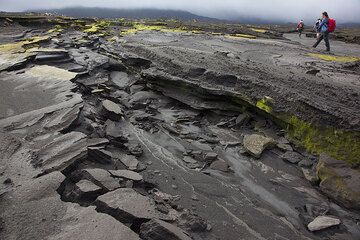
[[300, 27], [326, 26]]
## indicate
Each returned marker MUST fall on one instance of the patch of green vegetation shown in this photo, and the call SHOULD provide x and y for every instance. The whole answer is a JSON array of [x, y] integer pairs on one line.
[[240, 35], [259, 30], [137, 27], [97, 27], [20, 47], [332, 58], [56, 29], [265, 104], [339, 144]]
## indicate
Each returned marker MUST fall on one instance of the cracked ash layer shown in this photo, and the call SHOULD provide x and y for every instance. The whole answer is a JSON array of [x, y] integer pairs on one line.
[[169, 130]]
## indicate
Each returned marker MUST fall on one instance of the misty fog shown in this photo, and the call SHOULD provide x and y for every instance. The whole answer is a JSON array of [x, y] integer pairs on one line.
[[280, 10]]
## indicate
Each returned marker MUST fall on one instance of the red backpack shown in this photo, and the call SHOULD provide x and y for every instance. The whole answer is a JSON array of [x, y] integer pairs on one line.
[[331, 25]]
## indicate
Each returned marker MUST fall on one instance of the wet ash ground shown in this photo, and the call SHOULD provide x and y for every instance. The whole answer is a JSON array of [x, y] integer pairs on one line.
[[141, 138]]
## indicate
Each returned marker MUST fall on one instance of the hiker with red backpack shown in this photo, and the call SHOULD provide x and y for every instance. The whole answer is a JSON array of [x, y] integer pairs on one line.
[[326, 26]]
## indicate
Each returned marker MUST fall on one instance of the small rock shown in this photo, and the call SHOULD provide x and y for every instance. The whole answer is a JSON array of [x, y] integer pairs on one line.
[[230, 55], [242, 119], [310, 176], [323, 222], [135, 149], [220, 165], [292, 157], [188, 159], [130, 162], [305, 163], [284, 147], [210, 156], [174, 186], [112, 110], [8, 181], [159, 230], [255, 144]]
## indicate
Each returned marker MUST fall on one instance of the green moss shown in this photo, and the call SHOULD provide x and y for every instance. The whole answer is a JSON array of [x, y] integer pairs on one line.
[[56, 29], [333, 58], [97, 27], [240, 35], [265, 104], [339, 144], [137, 27]]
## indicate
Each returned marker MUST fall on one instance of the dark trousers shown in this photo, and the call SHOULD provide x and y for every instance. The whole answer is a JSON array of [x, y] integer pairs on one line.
[[324, 36]]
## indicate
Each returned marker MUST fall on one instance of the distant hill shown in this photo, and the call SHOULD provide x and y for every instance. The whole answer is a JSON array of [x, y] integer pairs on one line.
[[83, 12]]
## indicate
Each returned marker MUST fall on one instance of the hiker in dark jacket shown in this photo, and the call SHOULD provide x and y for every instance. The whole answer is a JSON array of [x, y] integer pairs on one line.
[[324, 32]]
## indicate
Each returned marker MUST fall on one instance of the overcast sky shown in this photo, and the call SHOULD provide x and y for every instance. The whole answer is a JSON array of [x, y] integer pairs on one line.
[[288, 10]]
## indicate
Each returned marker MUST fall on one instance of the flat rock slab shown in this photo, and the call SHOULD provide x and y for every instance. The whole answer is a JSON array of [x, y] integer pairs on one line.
[[126, 205], [159, 230], [127, 174], [255, 144], [61, 152], [129, 161], [86, 223], [323, 222], [86, 186], [33, 89], [112, 110], [101, 178]]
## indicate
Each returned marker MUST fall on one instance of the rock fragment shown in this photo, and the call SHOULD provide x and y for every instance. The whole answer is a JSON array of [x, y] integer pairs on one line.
[[242, 119], [159, 230], [210, 156], [310, 176], [292, 157], [112, 110], [120, 79], [323, 222], [339, 181], [220, 165], [127, 205], [129, 161], [127, 174], [255, 144], [100, 177]]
